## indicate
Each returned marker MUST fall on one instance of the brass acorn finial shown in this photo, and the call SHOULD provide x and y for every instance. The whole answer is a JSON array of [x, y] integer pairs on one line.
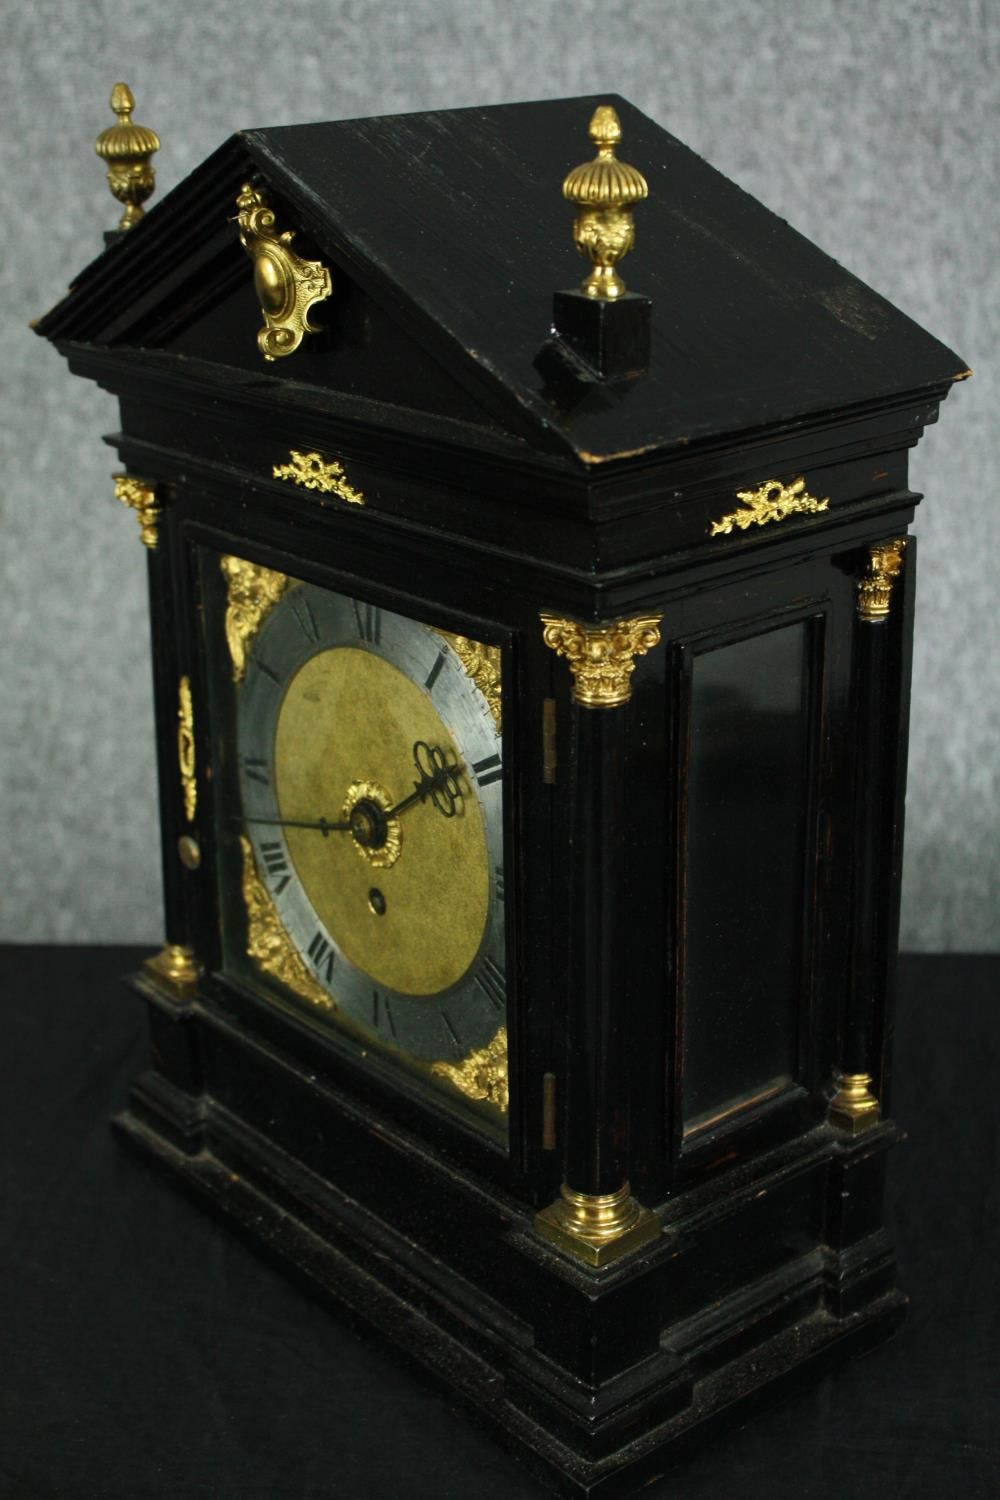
[[605, 190], [127, 148]]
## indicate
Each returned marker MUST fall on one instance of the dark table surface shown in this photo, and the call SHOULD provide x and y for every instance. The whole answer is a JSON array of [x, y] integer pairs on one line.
[[147, 1352]]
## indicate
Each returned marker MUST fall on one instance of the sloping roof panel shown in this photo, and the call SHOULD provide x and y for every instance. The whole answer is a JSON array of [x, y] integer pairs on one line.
[[453, 221]]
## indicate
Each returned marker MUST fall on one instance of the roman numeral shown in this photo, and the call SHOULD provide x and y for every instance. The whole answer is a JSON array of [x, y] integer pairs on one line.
[[322, 956], [498, 878], [256, 770], [368, 620], [390, 1018], [490, 979], [305, 617], [262, 666], [273, 854], [375, 1002], [435, 672], [487, 771], [452, 1032]]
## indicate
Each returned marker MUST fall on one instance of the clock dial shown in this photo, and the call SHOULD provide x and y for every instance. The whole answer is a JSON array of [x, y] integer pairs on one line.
[[370, 784], [405, 896]]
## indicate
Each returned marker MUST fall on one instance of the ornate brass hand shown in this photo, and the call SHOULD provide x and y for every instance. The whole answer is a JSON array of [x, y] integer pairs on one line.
[[436, 779]]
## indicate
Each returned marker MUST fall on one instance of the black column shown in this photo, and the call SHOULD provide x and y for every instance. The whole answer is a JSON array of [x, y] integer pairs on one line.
[[869, 807], [597, 1104], [595, 1217], [878, 728], [167, 671]]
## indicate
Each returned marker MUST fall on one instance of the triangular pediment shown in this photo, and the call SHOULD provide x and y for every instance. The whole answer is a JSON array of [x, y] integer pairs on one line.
[[446, 236], [181, 284]]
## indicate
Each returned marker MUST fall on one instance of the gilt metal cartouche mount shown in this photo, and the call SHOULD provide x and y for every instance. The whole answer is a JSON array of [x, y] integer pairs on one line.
[[604, 191], [287, 286], [128, 148]]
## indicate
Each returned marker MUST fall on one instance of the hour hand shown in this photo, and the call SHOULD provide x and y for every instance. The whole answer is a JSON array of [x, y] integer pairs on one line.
[[438, 780]]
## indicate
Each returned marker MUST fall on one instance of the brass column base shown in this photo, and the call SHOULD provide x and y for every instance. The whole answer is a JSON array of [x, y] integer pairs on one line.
[[176, 966], [597, 1228], [854, 1107]]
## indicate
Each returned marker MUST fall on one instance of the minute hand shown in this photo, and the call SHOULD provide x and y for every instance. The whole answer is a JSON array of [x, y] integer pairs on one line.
[[322, 824]]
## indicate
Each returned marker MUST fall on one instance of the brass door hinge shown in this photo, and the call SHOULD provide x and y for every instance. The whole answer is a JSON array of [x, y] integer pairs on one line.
[[549, 760], [548, 1111]]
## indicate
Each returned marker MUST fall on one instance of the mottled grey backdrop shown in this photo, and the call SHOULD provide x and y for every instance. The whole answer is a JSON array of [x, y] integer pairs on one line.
[[872, 125]]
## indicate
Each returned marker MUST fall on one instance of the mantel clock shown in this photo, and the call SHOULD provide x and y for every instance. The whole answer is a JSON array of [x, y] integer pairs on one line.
[[531, 660]]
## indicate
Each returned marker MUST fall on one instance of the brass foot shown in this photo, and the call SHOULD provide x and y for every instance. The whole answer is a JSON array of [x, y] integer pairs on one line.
[[597, 1228], [854, 1107], [175, 966]]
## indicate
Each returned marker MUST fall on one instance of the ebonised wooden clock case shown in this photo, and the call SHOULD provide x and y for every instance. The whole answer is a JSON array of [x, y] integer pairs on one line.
[[700, 864]]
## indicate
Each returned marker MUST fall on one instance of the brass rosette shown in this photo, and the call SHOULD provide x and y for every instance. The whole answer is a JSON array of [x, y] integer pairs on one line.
[[385, 855]]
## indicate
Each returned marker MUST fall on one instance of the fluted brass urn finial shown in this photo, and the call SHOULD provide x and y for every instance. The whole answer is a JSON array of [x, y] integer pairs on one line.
[[605, 190], [127, 149]]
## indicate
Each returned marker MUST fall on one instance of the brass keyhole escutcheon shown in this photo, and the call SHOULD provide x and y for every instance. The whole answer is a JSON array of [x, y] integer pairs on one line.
[[286, 285]]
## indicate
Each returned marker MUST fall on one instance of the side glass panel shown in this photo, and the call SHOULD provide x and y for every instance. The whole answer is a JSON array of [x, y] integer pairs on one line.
[[748, 803]]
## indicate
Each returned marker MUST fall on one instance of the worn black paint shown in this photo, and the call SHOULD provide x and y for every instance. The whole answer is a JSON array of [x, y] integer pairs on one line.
[[610, 338]]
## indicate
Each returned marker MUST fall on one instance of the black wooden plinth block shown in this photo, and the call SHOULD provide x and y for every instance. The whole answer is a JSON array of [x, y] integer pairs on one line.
[[589, 1439], [611, 337]]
